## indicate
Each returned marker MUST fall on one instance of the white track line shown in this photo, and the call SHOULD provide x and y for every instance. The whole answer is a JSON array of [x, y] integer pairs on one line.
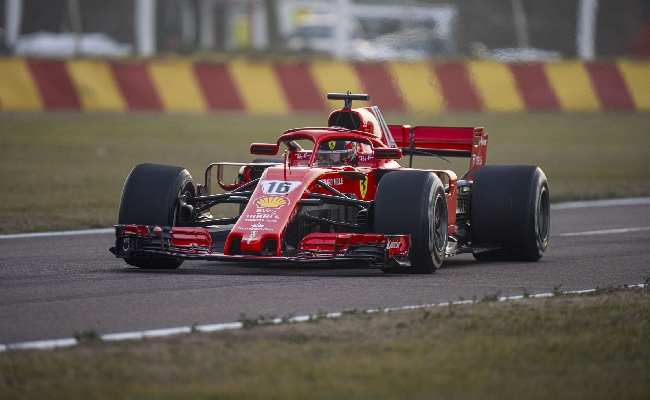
[[138, 335], [606, 231], [62, 233], [633, 201]]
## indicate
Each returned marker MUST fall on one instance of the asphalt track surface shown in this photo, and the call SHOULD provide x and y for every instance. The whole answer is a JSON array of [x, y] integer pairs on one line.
[[54, 286]]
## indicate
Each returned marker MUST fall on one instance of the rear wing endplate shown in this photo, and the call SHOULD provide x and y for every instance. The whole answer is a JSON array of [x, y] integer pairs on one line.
[[443, 142]]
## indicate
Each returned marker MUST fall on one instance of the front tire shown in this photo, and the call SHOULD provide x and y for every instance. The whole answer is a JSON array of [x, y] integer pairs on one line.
[[414, 202], [151, 196], [510, 208]]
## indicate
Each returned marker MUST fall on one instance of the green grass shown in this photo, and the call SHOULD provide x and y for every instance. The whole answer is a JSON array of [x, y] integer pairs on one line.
[[66, 171], [570, 347]]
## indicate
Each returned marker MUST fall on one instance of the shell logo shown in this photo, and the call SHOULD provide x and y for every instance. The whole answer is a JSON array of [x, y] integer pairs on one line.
[[271, 201]]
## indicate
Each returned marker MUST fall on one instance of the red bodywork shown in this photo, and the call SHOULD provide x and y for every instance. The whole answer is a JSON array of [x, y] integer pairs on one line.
[[299, 182]]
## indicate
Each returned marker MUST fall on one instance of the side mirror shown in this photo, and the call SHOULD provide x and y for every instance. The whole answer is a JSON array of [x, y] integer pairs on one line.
[[387, 153], [265, 149]]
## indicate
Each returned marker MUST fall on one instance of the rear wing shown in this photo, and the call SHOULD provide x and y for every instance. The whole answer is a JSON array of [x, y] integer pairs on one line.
[[443, 141]]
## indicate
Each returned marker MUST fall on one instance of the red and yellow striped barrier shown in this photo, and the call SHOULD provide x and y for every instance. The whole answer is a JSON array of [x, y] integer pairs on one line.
[[284, 87]]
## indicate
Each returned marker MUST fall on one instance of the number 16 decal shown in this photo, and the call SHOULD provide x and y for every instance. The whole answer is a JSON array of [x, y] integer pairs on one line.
[[279, 187]]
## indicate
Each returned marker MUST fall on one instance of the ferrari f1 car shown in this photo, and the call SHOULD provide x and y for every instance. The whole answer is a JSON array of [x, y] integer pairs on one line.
[[338, 195]]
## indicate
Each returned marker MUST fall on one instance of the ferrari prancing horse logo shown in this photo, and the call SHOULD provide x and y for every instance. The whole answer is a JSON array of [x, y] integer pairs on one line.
[[363, 187], [331, 144]]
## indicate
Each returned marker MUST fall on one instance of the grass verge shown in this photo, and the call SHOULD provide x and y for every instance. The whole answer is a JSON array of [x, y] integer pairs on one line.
[[66, 171], [568, 346]]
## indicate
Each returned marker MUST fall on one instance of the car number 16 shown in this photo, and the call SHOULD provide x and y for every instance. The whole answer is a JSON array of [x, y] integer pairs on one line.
[[279, 187]]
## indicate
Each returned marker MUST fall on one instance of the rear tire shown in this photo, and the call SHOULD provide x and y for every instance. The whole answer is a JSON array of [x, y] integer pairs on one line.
[[151, 197], [510, 208], [414, 202]]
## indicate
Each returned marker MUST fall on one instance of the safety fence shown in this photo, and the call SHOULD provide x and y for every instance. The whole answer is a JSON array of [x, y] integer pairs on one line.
[[183, 85]]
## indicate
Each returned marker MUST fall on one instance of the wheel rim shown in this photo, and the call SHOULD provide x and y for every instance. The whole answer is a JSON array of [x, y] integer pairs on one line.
[[543, 216], [179, 217], [439, 224]]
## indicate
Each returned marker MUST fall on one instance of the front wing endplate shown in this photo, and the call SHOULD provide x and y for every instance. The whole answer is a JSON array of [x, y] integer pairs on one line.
[[191, 243]]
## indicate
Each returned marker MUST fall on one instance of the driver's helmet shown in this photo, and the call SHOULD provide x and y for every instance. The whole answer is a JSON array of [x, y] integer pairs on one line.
[[335, 153]]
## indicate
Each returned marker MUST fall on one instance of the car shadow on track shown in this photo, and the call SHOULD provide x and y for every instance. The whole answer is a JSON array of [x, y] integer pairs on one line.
[[463, 261], [246, 269], [216, 269]]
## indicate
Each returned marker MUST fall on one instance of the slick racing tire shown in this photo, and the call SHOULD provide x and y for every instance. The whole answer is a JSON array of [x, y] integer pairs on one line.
[[414, 203], [510, 209], [151, 196]]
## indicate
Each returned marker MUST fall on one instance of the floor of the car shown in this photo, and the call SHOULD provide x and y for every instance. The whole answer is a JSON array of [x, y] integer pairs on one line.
[[219, 235]]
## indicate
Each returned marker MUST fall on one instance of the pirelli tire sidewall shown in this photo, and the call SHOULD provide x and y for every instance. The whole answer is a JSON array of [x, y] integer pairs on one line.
[[414, 203]]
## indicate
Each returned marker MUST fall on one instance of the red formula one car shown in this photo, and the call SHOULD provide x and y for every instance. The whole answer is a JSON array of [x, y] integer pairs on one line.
[[338, 195]]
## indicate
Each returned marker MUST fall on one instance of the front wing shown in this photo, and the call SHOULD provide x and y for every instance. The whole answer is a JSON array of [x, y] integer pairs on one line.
[[191, 243]]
